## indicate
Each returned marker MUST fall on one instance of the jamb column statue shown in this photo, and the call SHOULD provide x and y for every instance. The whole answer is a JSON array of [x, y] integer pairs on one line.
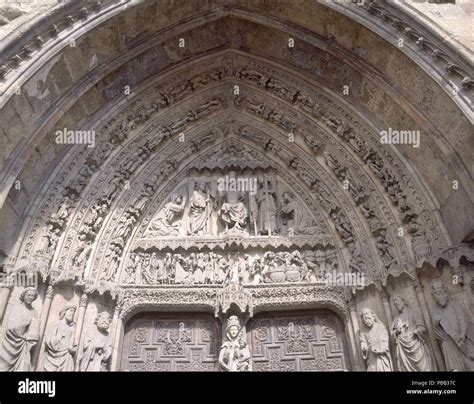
[[97, 349], [21, 335], [374, 343], [409, 332], [452, 329], [60, 348]]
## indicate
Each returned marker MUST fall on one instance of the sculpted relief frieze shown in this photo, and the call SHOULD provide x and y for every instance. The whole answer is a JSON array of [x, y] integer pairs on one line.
[[81, 249], [210, 268]]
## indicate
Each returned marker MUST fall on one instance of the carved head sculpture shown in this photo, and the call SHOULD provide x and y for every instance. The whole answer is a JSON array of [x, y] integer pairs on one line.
[[368, 317], [288, 196], [233, 327], [178, 199], [68, 312], [296, 255], [102, 321], [269, 255], [399, 303], [200, 186], [439, 293], [28, 296]]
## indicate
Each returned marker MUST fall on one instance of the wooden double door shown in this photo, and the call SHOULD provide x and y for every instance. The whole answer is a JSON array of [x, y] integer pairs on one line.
[[278, 341]]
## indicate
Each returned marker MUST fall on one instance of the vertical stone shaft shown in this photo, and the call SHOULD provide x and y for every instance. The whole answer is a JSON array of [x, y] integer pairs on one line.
[[5, 291], [359, 360], [80, 322], [39, 349]]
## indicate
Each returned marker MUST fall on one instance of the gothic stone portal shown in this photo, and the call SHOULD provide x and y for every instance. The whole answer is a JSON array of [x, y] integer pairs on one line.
[[285, 341], [300, 341]]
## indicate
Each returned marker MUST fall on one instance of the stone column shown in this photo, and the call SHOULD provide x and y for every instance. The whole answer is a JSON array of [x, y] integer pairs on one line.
[[44, 319], [353, 344], [81, 312], [354, 323], [386, 306], [5, 292], [438, 356], [116, 334]]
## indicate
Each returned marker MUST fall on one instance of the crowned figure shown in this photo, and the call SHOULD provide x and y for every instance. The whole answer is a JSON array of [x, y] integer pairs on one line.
[[235, 354]]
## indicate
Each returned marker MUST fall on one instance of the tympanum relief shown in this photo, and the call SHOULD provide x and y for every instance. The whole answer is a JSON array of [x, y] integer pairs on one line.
[[216, 268], [233, 204], [229, 206]]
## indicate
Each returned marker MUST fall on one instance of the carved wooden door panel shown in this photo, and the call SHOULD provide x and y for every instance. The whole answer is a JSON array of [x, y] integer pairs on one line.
[[165, 342], [304, 341]]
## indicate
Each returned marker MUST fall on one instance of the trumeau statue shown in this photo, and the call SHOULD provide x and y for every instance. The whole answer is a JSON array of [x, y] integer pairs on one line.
[[167, 222], [21, 335], [234, 355], [59, 342], [409, 332], [96, 350], [453, 329], [374, 343]]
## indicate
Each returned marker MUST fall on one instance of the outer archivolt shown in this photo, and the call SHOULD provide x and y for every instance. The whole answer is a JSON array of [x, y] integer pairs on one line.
[[306, 109]]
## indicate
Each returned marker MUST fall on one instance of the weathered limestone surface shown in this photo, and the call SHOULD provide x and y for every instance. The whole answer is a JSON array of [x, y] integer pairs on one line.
[[228, 157]]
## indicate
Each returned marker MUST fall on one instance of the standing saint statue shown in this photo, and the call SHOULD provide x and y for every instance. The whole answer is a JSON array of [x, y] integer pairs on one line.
[[409, 332], [200, 210], [451, 327], [374, 343], [96, 349], [167, 222], [267, 207], [21, 335], [60, 348], [234, 355]]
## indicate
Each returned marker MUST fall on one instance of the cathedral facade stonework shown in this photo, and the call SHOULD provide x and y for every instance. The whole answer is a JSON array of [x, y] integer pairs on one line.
[[213, 189]]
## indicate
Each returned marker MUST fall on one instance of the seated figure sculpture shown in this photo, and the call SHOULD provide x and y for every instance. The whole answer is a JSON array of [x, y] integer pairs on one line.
[[233, 212]]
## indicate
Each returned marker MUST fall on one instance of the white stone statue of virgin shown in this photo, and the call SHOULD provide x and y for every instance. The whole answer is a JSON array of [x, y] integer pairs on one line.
[[234, 355]]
